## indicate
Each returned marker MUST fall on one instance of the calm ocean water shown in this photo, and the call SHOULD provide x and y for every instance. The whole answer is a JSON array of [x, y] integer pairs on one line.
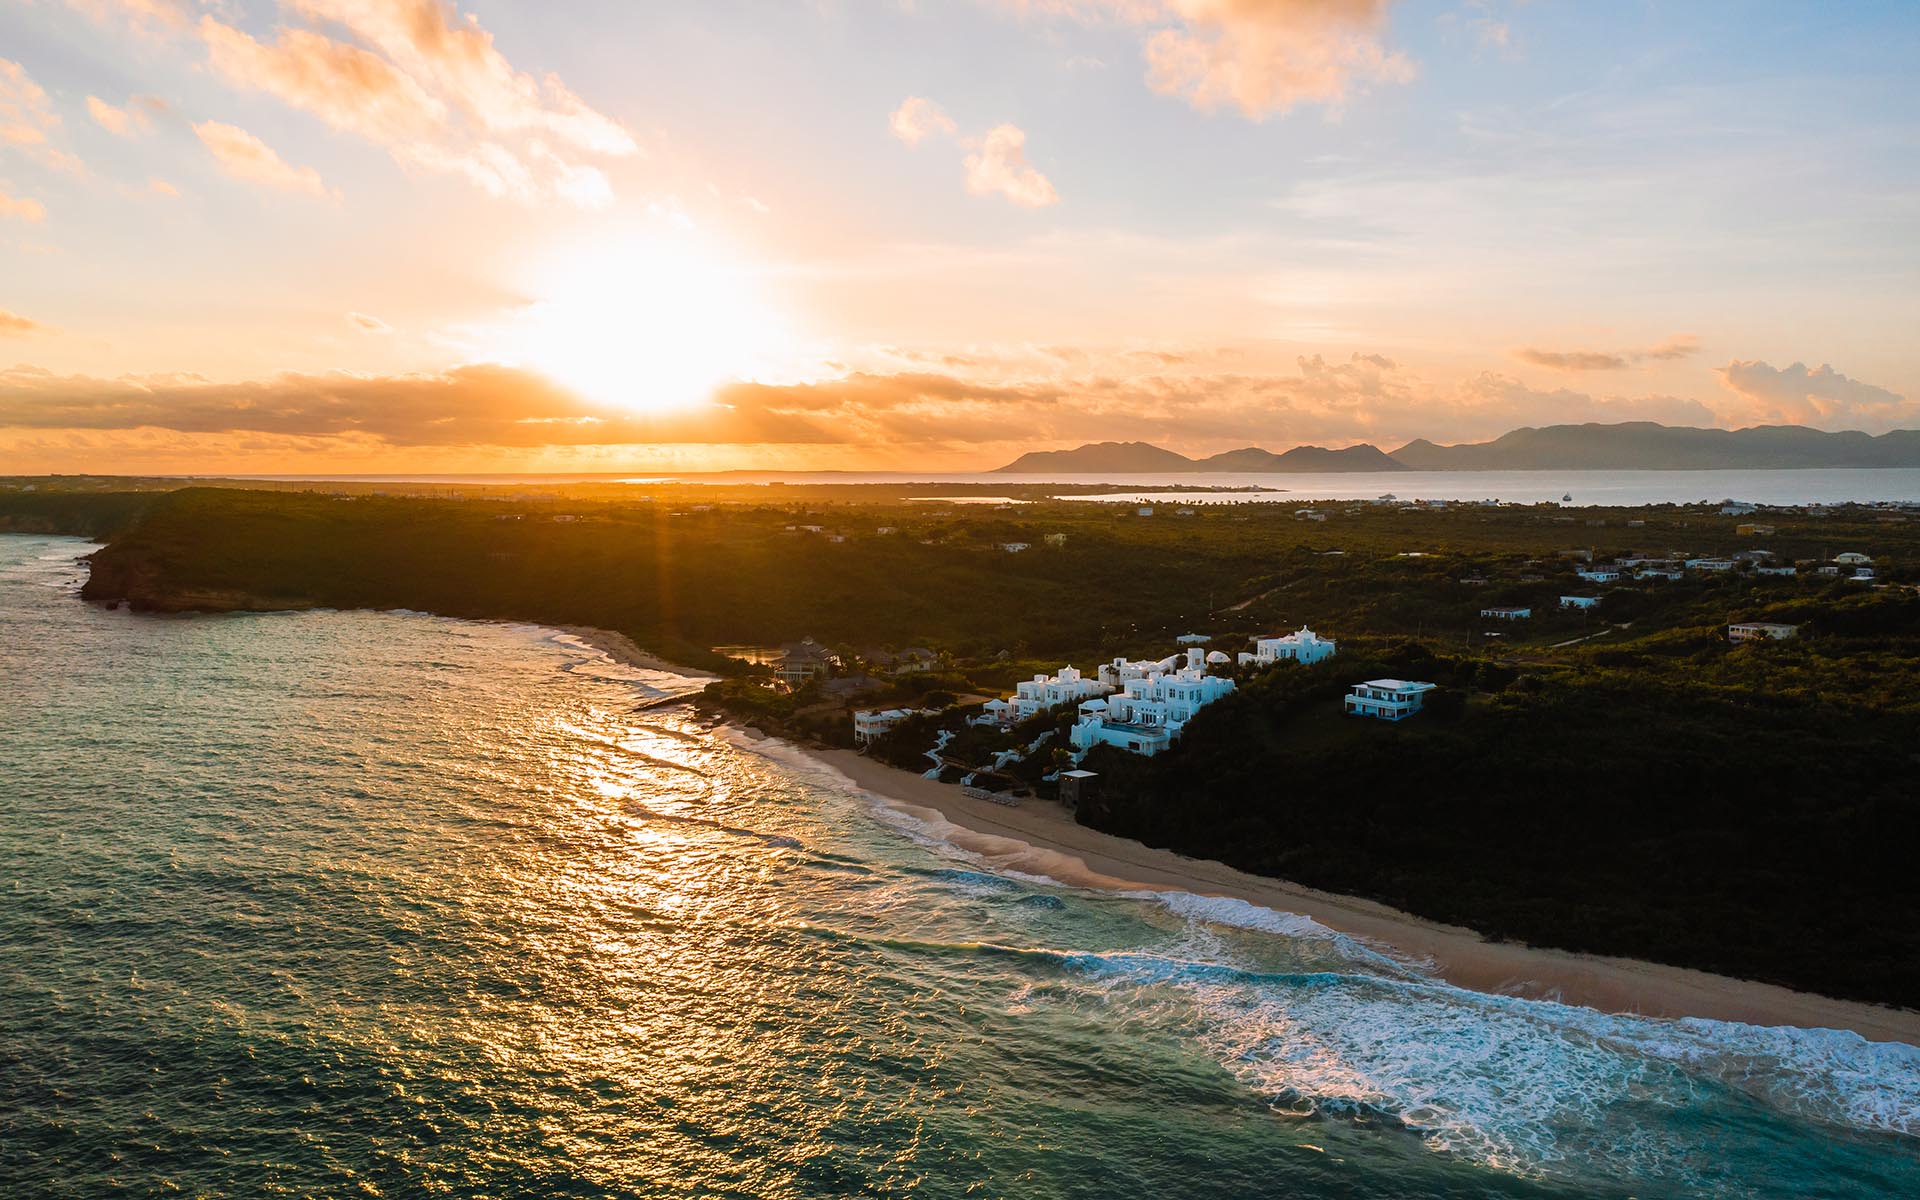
[[1868, 485], [337, 904]]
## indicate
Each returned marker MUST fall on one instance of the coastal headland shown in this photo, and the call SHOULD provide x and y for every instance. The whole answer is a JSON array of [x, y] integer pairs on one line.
[[1596, 787]]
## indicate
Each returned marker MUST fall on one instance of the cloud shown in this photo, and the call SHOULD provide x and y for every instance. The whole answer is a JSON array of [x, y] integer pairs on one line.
[[367, 324], [997, 165], [161, 187], [996, 162], [1679, 346], [1821, 395], [27, 118], [244, 156], [349, 88], [133, 120], [422, 81], [22, 208], [917, 117], [1260, 57], [482, 405], [1572, 360], [12, 324], [148, 16]]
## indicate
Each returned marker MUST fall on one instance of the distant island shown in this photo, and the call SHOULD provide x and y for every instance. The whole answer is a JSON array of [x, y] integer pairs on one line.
[[1628, 446]]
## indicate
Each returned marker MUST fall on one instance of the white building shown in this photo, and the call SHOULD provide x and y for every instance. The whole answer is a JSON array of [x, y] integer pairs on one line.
[[1387, 699], [1600, 575], [1760, 631], [1148, 713], [1852, 558], [1579, 602], [1776, 570], [1709, 564], [1303, 646], [1014, 547], [870, 723], [1048, 691], [1507, 614]]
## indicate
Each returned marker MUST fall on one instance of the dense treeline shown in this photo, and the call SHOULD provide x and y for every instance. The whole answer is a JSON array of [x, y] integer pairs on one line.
[[1750, 810]]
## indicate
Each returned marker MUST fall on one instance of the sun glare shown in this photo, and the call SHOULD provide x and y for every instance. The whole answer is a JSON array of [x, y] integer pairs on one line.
[[648, 324]]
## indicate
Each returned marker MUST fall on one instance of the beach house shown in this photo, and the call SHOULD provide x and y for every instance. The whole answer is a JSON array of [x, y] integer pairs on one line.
[[1760, 631], [1387, 699], [801, 661], [1148, 713], [1302, 646], [869, 724], [1042, 692]]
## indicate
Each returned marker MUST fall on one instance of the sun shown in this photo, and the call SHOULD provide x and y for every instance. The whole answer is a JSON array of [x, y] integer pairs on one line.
[[647, 323]]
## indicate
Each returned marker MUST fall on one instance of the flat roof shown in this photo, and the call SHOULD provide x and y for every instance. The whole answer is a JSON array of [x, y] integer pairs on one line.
[[1398, 685]]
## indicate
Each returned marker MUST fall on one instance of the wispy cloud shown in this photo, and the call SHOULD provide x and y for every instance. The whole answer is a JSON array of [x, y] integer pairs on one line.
[[1679, 346], [131, 121], [12, 324], [417, 78], [27, 119], [368, 324], [22, 208], [244, 156]]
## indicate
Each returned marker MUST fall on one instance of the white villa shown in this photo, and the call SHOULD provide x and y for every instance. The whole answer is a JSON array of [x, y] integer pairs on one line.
[[1303, 646], [1047, 691], [1852, 558], [1579, 602], [1387, 699], [1709, 564], [1600, 575], [1507, 614], [1760, 631], [1151, 708]]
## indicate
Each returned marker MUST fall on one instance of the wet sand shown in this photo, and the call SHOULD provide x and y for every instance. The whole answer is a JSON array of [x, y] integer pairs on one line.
[[1041, 838], [623, 649]]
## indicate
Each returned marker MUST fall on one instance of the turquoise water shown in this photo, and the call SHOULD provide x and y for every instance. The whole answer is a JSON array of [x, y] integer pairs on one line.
[[339, 904]]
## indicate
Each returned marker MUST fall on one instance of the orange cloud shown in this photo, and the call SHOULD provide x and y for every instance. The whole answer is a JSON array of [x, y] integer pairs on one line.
[[367, 324], [1261, 57], [27, 117], [12, 324], [22, 208], [1818, 396], [244, 156], [347, 87], [481, 405], [135, 119], [1682, 345]]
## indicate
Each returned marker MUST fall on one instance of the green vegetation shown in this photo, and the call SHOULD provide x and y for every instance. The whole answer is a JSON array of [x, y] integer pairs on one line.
[[1618, 779]]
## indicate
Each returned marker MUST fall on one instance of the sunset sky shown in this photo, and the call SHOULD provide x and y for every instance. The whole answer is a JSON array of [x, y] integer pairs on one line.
[[578, 235]]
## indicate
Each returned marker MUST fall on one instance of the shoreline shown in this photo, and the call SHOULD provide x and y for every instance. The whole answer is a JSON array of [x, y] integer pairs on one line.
[[623, 649], [1041, 838]]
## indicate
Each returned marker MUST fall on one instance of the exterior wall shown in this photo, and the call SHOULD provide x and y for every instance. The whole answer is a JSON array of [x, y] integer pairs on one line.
[[1303, 646]]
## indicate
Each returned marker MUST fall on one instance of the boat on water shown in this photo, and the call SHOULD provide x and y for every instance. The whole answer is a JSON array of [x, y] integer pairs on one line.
[[1567, 499]]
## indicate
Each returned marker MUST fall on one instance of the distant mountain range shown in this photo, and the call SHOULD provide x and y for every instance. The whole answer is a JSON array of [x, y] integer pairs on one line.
[[1630, 446], [1139, 458]]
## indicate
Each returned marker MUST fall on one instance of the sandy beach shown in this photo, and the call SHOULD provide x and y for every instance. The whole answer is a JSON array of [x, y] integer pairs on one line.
[[1041, 838], [623, 649]]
